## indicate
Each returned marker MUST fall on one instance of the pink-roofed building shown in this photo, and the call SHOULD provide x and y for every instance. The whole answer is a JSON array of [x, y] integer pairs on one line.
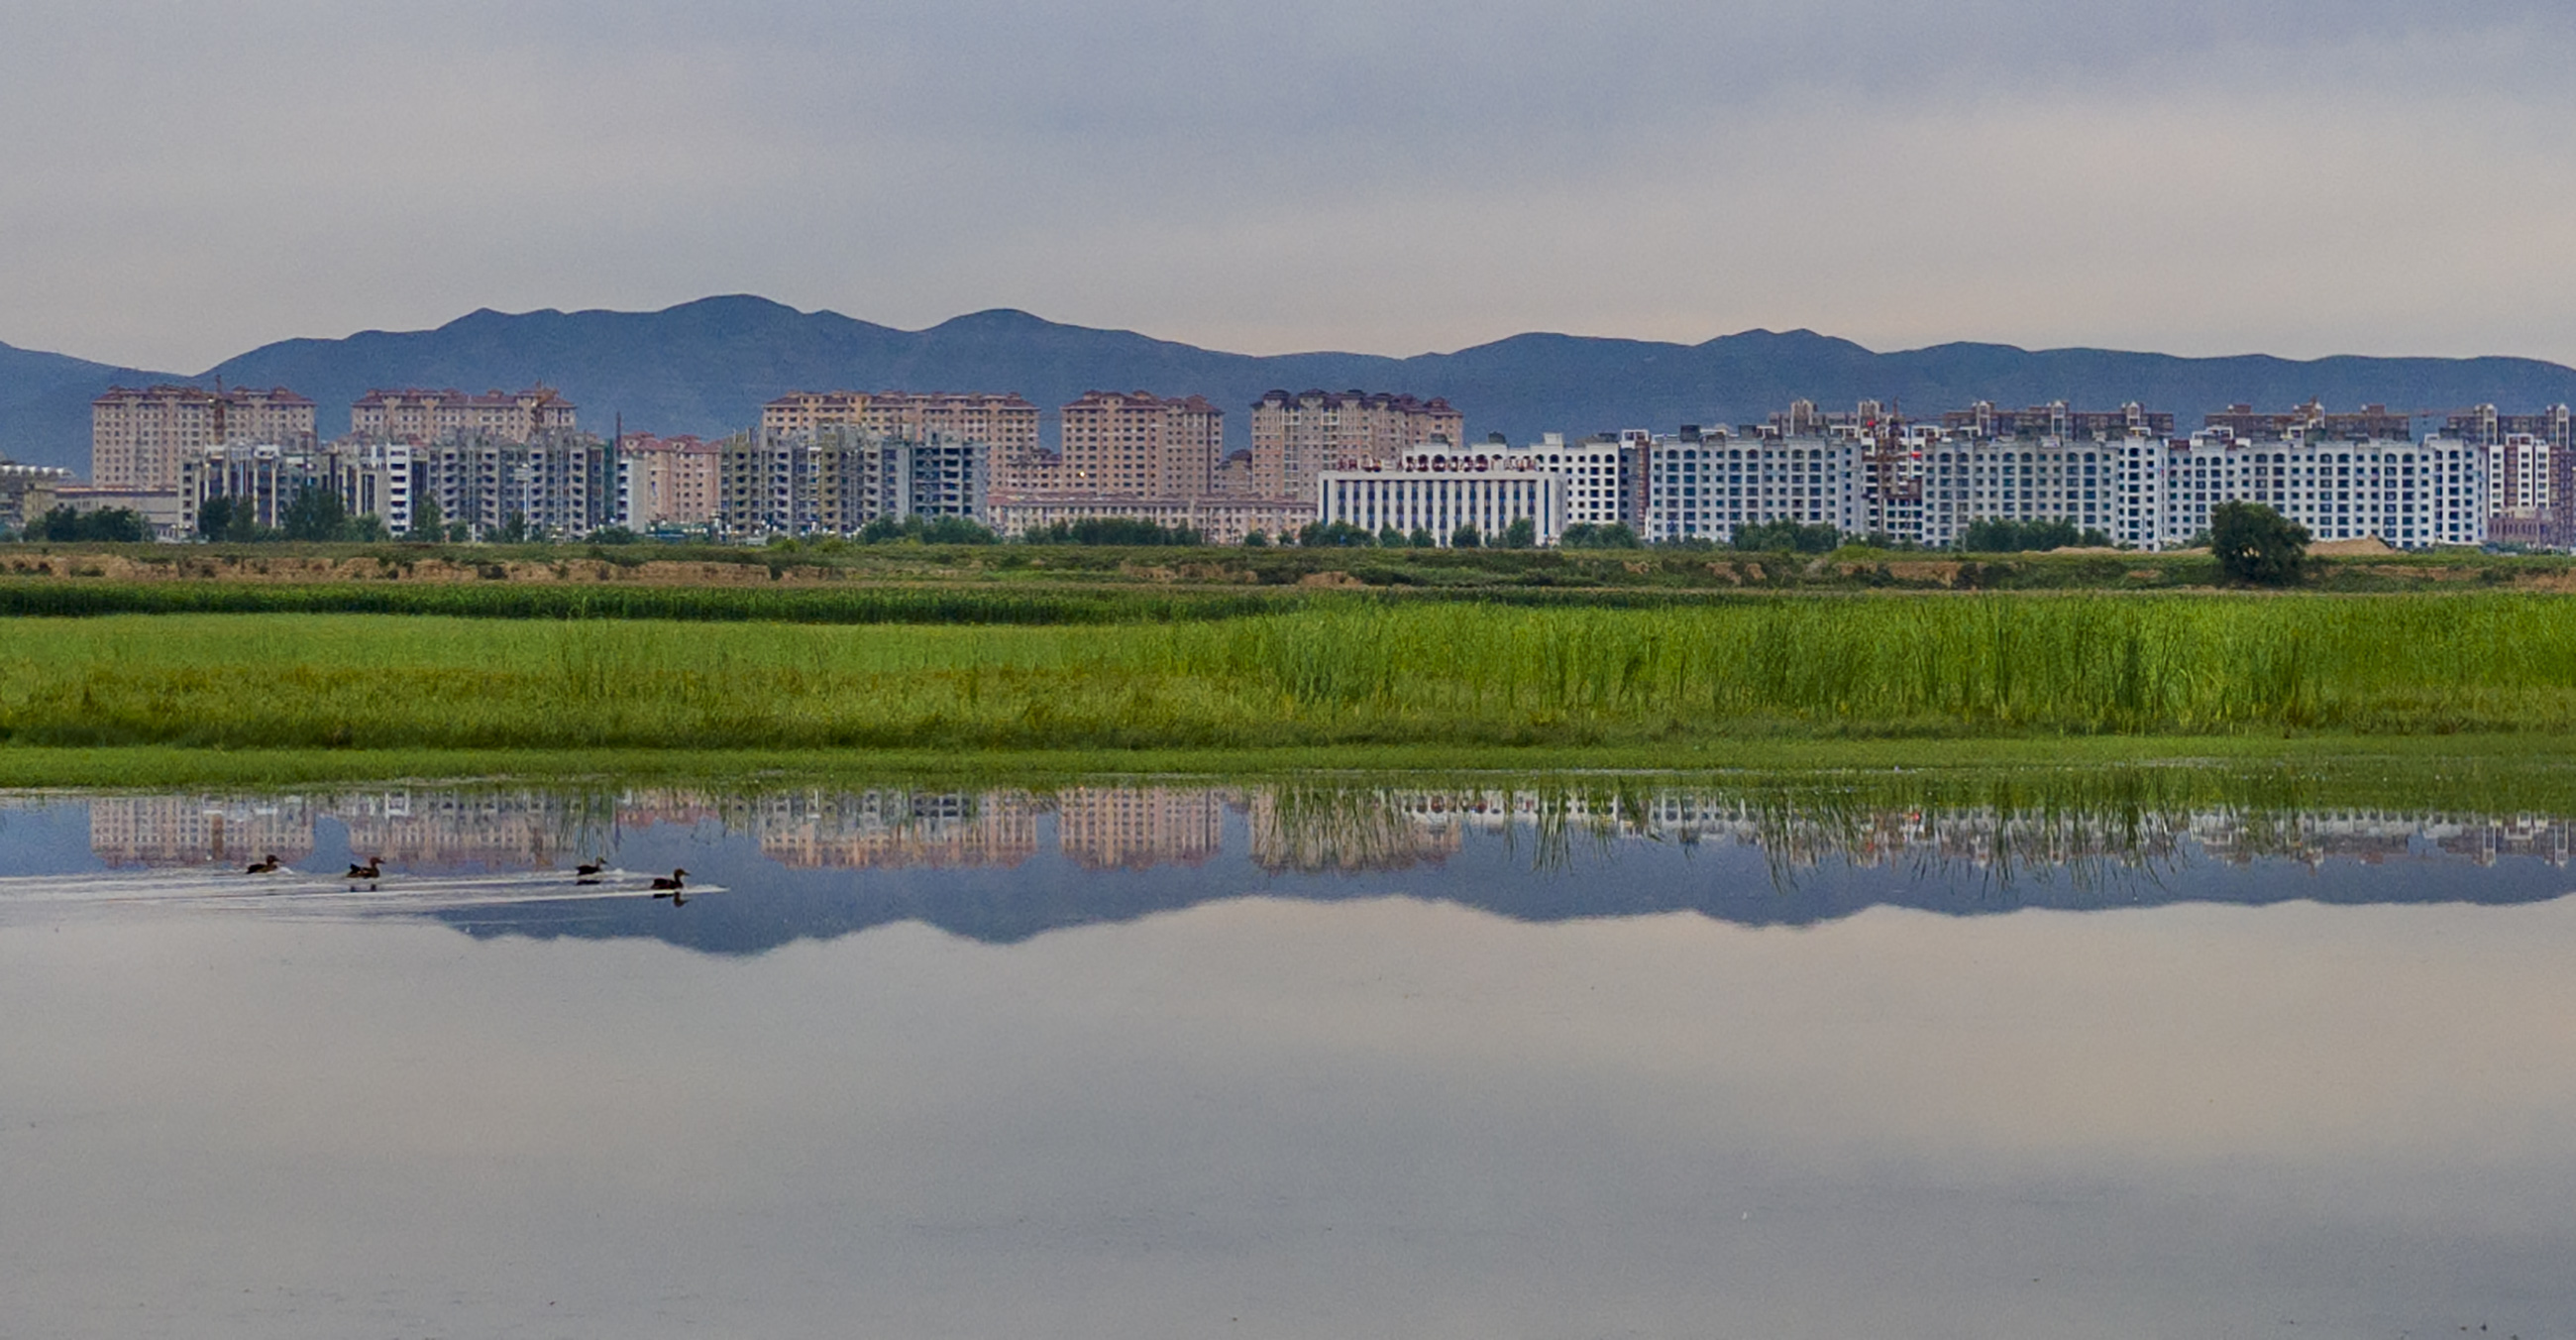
[[411, 414], [138, 437]]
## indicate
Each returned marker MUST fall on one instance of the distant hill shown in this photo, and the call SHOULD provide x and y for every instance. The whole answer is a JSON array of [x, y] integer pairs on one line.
[[44, 405], [705, 367]]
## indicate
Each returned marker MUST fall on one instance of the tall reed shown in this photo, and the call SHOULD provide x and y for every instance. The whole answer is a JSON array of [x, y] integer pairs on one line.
[[1453, 674]]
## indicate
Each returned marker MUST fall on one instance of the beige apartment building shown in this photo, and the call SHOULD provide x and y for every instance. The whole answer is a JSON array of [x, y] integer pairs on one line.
[[668, 481], [1006, 423], [1139, 445], [138, 436], [1296, 436], [415, 415]]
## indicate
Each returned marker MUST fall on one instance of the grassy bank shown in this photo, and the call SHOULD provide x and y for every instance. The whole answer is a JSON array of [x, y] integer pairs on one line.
[[1039, 567], [2460, 774], [1330, 676]]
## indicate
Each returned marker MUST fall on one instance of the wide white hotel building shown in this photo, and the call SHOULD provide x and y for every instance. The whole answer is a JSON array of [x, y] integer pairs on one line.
[[1441, 488]]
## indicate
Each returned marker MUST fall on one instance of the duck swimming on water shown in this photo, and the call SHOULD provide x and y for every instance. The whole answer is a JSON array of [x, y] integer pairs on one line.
[[589, 874], [673, 884], [373, 869], [268, 865]]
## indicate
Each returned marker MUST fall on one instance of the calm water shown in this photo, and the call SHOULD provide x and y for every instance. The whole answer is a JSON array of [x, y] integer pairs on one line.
[[1361, 1061]]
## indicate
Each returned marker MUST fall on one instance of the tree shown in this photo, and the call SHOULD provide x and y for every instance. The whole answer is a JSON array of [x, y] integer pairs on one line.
[[115, 525], [1521, 534], [214, 517], [1422, 538], [514, 530], [1466, 537], [316, 514], [1256, 539], [427, 521], [2257, 545], [1390, 538]]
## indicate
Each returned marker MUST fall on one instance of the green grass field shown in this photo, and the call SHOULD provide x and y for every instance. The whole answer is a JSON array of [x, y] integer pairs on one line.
[[1683, 681]]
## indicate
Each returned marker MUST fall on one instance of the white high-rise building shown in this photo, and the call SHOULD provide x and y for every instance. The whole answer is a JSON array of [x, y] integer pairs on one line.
[[1707, 487]]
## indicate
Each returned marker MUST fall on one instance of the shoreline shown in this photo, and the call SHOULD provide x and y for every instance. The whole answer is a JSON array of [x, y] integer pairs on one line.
[[2545, 760]]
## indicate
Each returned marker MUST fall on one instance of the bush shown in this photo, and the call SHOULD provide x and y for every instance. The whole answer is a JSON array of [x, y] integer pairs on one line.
[[930, 530], [2000, 535], [1337, 535], [1586, 535], [1113, 530]]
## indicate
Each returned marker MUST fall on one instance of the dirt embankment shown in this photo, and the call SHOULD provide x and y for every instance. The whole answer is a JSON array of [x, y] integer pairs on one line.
[[292, 569]]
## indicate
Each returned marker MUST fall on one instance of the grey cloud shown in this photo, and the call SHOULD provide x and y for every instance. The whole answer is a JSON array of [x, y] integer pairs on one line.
[[182, 182]]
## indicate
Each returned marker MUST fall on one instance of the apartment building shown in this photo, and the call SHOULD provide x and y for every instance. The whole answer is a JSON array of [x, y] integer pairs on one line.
[[2055, 419], [1006, 423], [1140, 445], [27, 492], [2310, 421], [139, 436], [1967, 480], [373, 479], [1706, 487], [2523, 501], [1296, 436], [2552, 440], [835, 479], [2122, 476], [861, 477], [667, 482], [412, 414], [1605, 476], [258, 479], [2408, 494], [557, 484], [1440, 489]]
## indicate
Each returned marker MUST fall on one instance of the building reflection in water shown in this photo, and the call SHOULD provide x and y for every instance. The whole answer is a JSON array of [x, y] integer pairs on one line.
[[1289, 828]]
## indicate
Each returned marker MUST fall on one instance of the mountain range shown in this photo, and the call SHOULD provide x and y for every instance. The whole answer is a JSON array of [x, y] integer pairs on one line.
[[705, 367]]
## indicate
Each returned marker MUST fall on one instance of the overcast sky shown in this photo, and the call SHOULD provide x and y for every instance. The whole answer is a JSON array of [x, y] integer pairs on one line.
[[181, 181]]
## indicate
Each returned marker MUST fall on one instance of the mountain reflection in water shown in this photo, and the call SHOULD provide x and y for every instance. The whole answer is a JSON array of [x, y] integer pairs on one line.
[[1004, 864]]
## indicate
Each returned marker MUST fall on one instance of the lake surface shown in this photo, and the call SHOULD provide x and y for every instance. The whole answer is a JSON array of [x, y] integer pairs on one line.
[[1620, 1059]]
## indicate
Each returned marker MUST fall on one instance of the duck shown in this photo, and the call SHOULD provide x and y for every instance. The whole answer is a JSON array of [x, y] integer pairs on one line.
[[267, 865], [589, 874], [672, 884], [374, 868]]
